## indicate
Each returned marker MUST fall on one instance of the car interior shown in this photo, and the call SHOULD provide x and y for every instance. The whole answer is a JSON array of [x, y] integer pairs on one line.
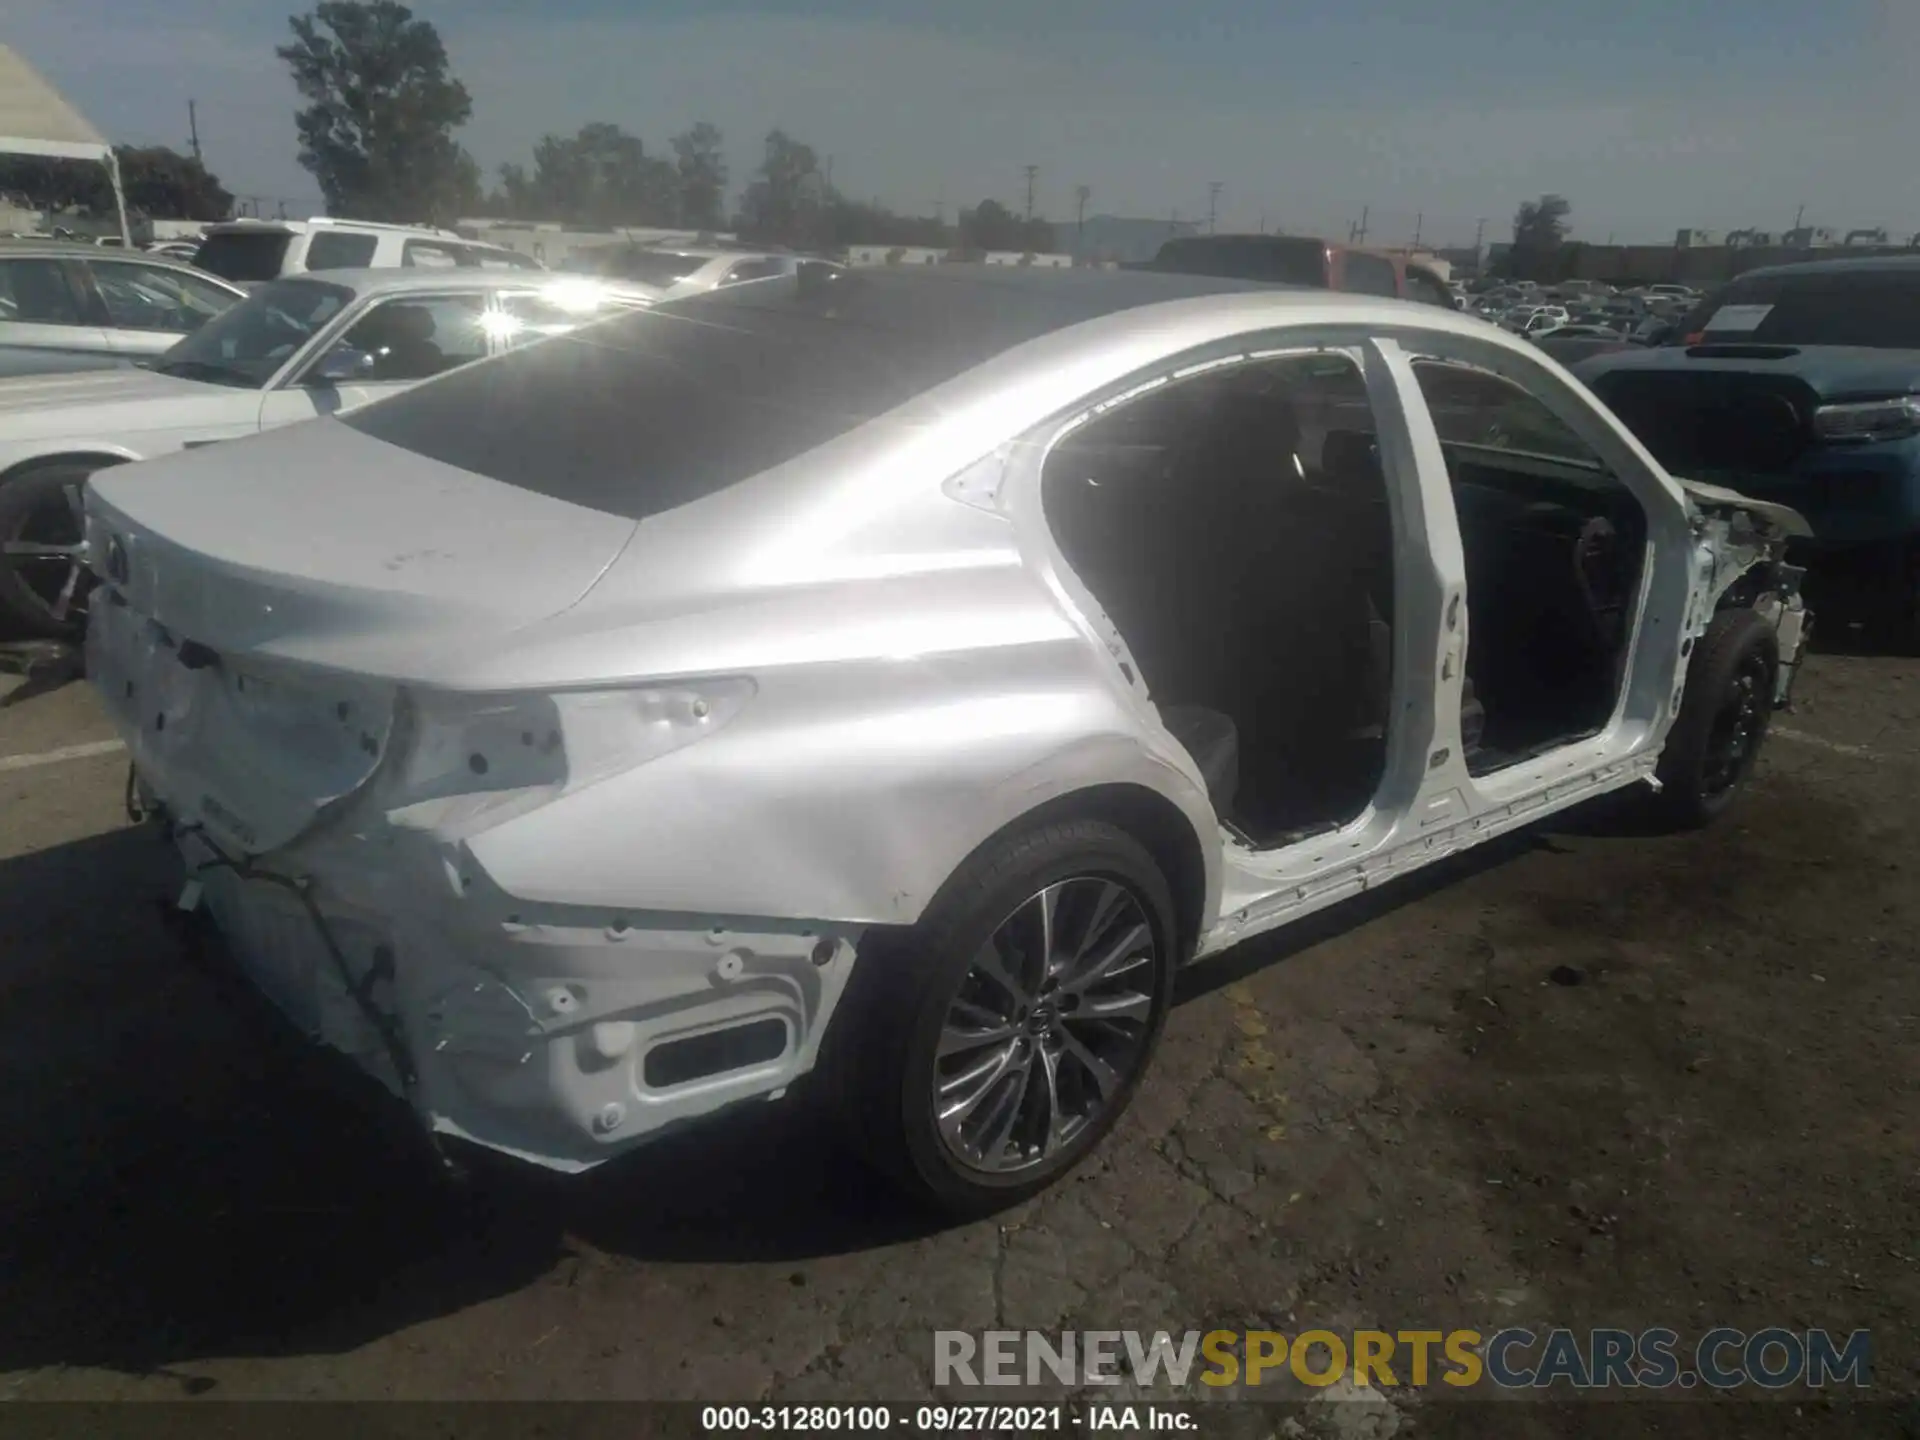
[[1554, 547], [1235, 528]]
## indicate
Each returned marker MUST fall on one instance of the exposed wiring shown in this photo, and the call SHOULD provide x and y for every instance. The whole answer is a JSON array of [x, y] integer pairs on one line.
[[360, 991]]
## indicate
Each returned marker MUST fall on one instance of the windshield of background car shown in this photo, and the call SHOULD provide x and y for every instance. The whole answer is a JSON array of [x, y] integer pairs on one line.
[[243, 255], [1267, 258], [652, 410], [248, 344], [1877, 309]]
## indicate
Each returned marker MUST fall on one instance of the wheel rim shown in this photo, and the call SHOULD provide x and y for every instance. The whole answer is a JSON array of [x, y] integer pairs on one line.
[[1737, 727], [47, 551], [1048, 1026]]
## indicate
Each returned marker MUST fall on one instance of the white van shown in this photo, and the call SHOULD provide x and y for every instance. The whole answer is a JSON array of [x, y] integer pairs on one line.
[[249, 252]]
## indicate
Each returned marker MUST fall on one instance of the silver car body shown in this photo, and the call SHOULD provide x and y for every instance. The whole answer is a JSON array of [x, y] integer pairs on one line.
[[83, 323], [552, 784]]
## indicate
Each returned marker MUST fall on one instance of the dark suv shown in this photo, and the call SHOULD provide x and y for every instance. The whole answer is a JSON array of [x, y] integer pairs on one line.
[[1801, 384]]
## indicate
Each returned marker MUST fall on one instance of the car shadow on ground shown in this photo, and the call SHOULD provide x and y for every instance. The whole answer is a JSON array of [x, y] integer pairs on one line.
[[186, 1178]]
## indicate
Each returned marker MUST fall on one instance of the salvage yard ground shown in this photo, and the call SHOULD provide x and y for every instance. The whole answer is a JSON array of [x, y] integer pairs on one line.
[[1586, 1078]]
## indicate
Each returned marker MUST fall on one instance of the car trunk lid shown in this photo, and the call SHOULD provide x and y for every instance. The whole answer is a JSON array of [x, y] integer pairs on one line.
[[265, 601]]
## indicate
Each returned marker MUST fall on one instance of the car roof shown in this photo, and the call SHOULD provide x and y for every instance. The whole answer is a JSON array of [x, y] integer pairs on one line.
[[1836, 266], [400, 281], [81, 250]]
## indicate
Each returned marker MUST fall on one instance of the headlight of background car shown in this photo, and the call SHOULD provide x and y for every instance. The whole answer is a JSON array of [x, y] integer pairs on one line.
[[1867, 420], [473, 761]]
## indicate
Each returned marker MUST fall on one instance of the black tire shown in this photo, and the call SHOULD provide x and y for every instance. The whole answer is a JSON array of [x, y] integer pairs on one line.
[[1724, 713], [44, 595], [882, 1052]]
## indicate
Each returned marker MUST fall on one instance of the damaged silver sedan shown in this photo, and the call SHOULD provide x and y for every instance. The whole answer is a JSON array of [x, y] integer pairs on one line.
[[897, 676]]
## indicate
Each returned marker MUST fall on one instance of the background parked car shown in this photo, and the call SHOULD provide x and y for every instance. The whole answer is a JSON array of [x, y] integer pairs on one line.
[[1801, 384], [66, 306], [306, 346], [1300, 260], [672, 273], [249, 252]]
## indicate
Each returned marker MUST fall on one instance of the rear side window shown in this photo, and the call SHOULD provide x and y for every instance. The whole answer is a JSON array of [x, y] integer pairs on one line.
[[243, 255], [431, 255], [341, 250], [764, 269], [37, 292], [485, 258], [1369, 274]]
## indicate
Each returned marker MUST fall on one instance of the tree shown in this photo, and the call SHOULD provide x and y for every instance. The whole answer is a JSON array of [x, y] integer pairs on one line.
[[382, 106], [601, 176], [991, 226], [703, 175], [1539, 227], [159, 183], [785, 202]]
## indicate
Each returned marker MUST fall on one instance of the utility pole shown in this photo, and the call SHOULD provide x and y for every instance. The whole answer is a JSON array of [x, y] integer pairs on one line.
[[1081, 194], [1263, 222], [193, 129], [1418, 220], [1033, 172], [1799, 214], [1357, 234], [1213, 203]]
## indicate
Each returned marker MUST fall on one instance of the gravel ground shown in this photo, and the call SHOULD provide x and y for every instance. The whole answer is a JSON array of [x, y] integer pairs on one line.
[[1586, 1078]]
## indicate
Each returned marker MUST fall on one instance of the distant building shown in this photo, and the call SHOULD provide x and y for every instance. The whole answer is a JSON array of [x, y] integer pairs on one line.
[[895, 255], [1028, 258], [1695, 239], [1809, 237], [1874, 236]]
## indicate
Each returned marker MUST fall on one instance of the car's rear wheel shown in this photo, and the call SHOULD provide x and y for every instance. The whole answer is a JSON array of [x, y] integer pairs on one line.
[[983, 1053], [44, 580], [1715, 741]]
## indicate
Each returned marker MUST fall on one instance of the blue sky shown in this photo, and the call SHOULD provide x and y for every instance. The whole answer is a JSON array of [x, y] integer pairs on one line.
[[1648, 114]]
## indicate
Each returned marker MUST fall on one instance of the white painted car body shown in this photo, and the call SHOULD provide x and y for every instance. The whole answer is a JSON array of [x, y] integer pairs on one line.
[[549, 785]]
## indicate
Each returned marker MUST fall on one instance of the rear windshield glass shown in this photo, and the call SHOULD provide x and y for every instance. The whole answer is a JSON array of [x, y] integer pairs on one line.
[[651, 410], [1277, 259], [1877, 309], [237, 255]]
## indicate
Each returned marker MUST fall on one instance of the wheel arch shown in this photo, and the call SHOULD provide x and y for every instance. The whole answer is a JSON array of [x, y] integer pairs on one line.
[[1152, 819]]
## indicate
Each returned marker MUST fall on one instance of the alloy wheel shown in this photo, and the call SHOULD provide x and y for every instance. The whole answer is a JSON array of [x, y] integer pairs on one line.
[[47, 550], [1049, 1026]]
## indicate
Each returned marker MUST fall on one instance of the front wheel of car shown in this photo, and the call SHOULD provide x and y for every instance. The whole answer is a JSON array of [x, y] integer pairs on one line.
[[1724, 711], [984, 1052], [44, 580]]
